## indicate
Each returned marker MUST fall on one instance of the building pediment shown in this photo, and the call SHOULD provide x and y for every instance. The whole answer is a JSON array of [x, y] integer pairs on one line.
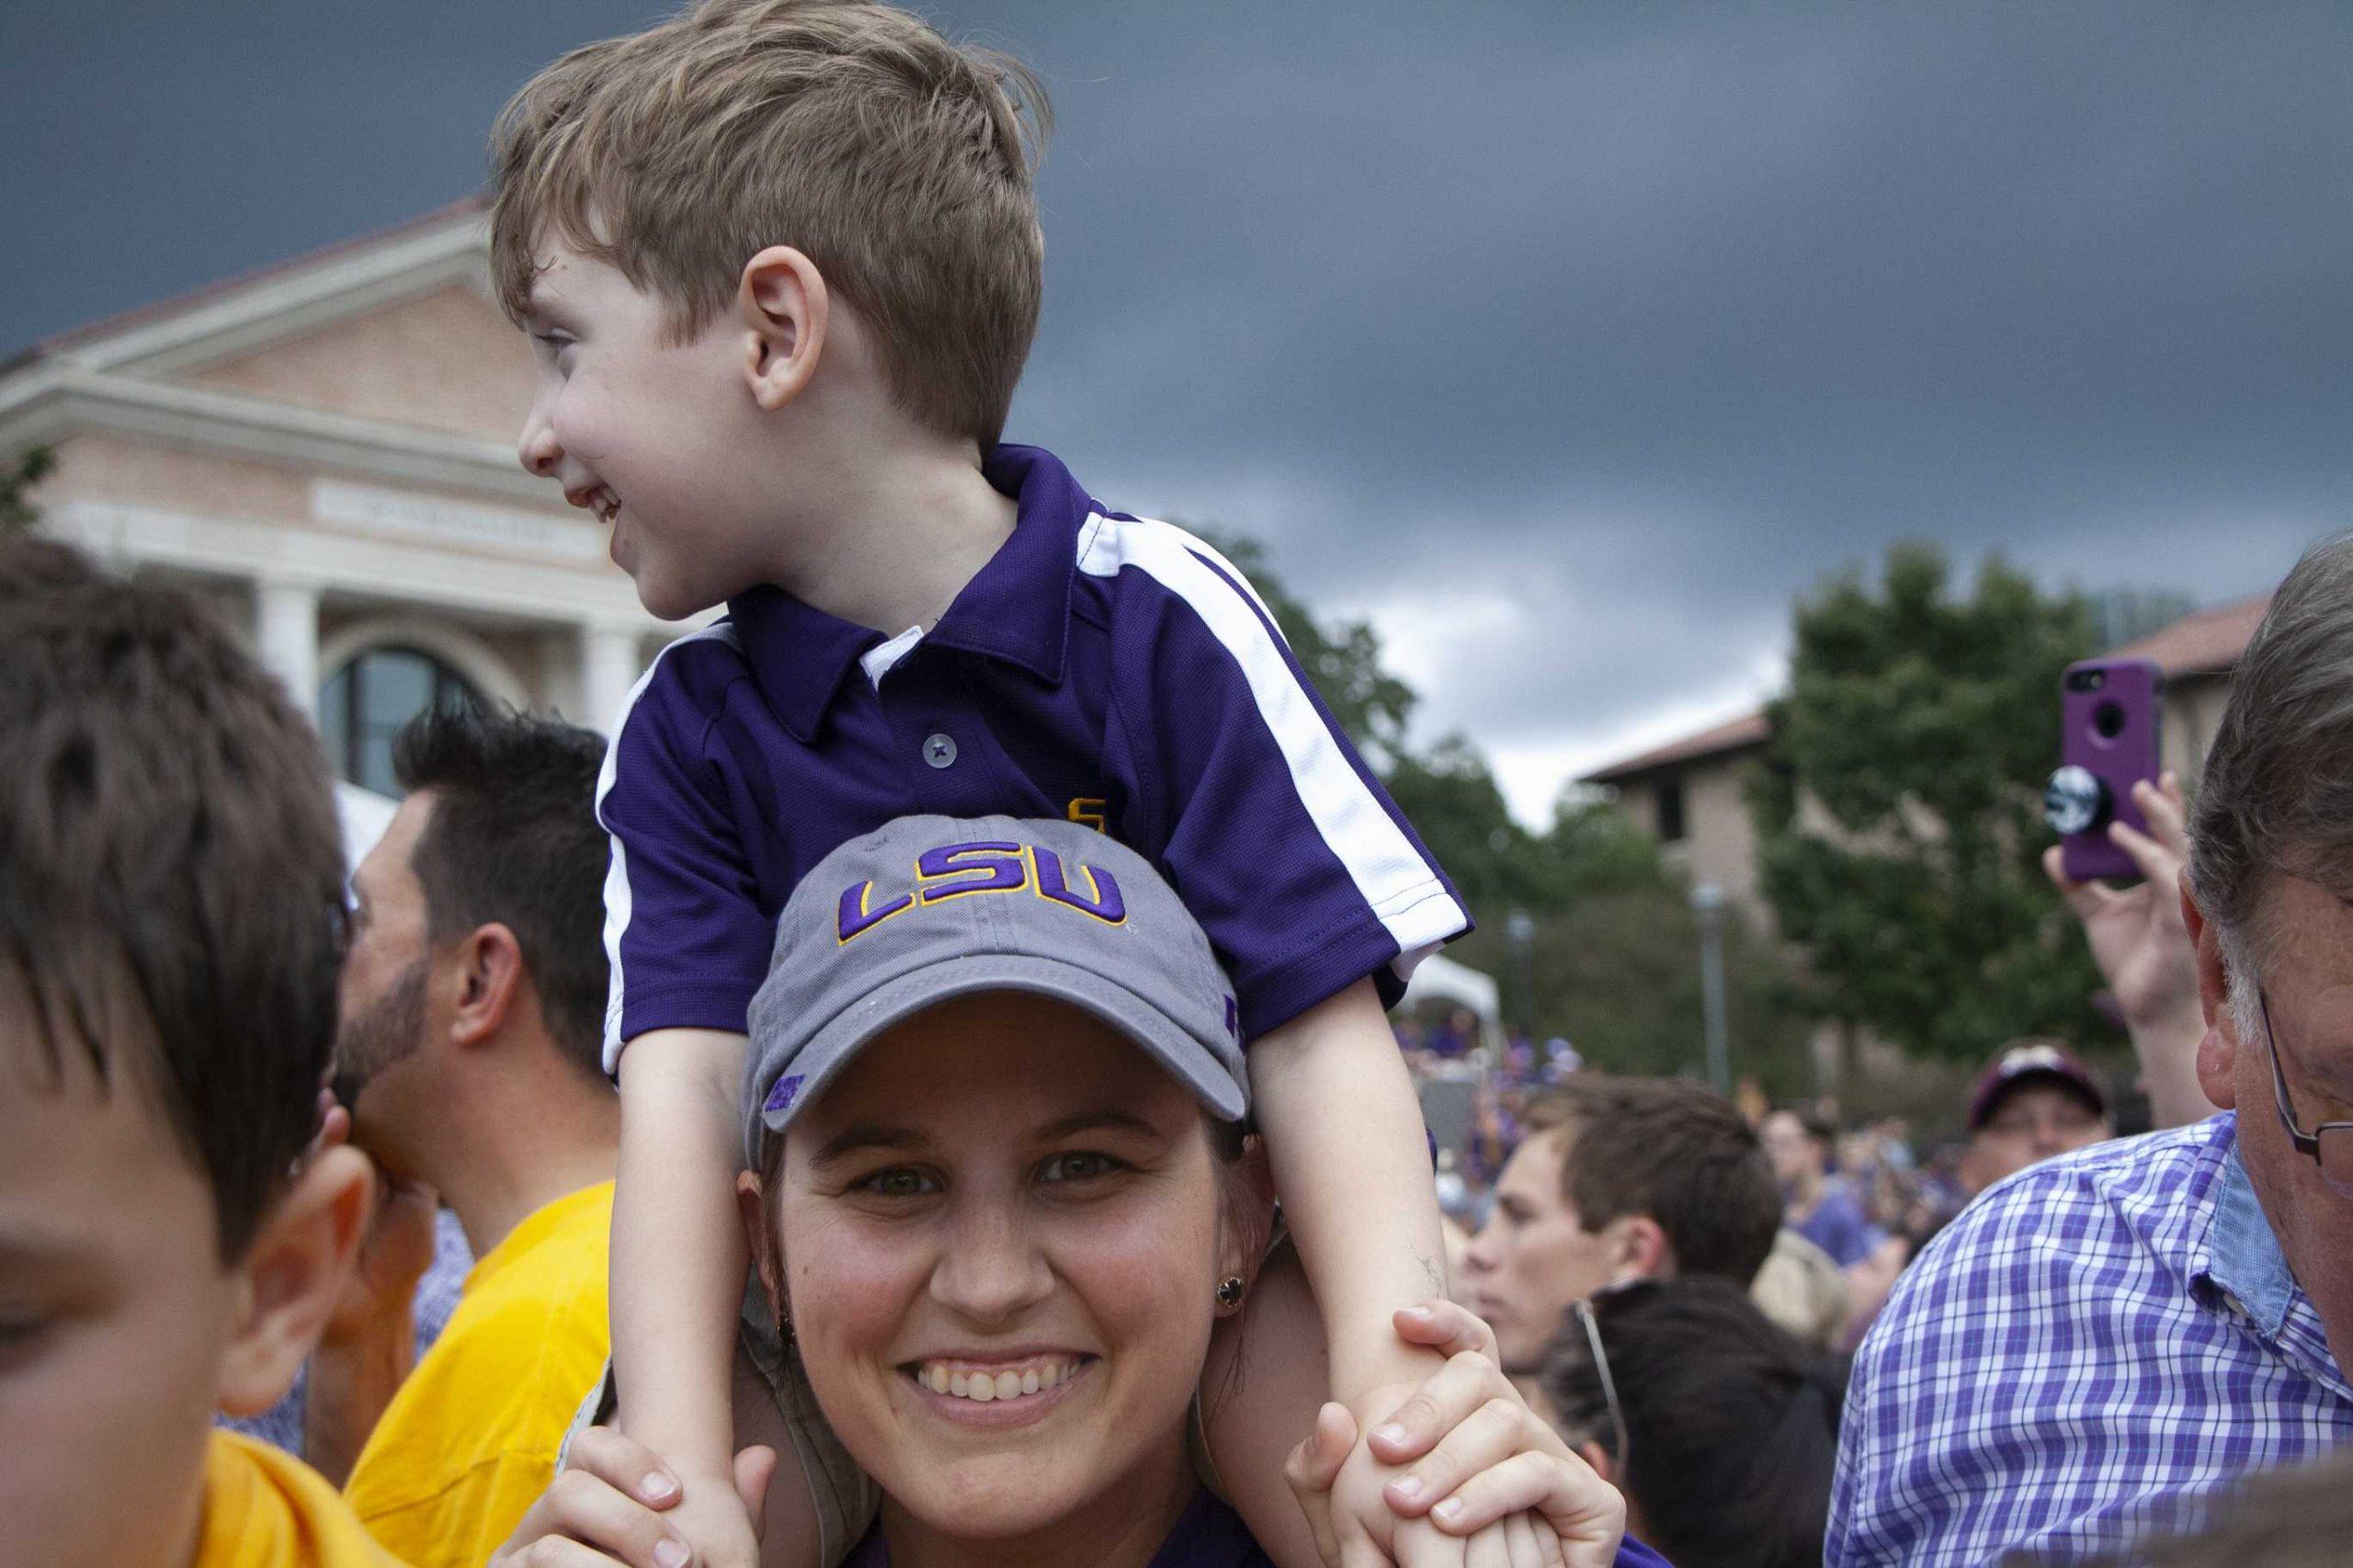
[[383, 358]]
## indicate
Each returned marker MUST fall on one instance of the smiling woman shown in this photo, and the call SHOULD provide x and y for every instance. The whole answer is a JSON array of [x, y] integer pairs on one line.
[[999, 1193], [1003, 1287], [1003, 1196]]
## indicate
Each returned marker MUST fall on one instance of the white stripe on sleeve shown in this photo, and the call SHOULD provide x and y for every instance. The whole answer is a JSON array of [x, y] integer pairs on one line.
[[1403, 891], [617, 896]]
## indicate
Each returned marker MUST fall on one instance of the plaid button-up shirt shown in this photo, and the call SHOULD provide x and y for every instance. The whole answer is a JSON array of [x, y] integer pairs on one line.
[[2090, 1348]]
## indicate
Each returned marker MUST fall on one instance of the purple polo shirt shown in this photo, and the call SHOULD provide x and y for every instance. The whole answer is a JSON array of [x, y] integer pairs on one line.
[[1101, 668]]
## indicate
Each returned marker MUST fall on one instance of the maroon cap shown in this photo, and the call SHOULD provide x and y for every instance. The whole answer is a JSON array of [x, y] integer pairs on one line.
[[2030, 1059]]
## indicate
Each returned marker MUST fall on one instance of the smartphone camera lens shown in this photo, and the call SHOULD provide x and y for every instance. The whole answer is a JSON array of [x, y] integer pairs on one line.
[[2107, 720], [2086, 681]]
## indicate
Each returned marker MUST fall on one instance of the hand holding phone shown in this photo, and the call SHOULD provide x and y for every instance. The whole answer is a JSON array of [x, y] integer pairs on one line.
[[2108, 718]]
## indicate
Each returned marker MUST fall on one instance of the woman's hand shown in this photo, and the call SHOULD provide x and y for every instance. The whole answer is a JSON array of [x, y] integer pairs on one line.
[[1477, 1456], [605, 1506]]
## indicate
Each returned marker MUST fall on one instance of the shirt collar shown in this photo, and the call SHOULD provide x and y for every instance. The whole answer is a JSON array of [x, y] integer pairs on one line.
[[2242, 1258], [1017, 608]]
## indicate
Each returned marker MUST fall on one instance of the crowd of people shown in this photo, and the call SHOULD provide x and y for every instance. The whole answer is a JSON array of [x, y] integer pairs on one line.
[[928, 1099]]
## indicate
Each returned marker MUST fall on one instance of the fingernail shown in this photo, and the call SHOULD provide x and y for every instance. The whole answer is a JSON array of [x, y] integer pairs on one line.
[[1450, 1508], [1391, 1432], [672, 1553], [1416, 1311], [656, 1487], [1407, 1487]]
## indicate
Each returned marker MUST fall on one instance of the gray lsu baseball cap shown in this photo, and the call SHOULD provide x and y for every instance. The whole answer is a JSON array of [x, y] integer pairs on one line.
[[929, 908]]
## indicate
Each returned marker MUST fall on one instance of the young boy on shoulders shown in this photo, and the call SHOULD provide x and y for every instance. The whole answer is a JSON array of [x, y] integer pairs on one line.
[[171, 908], [781, 263]]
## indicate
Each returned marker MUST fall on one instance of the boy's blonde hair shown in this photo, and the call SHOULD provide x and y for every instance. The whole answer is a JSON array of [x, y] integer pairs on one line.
[[896, 161]]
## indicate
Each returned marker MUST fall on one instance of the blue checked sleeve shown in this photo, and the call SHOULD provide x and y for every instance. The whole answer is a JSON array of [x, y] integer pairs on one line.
[[1248, 795], [684, 930]]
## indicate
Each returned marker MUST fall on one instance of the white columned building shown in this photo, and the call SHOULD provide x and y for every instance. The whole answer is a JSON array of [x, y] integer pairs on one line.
[[326, 449]]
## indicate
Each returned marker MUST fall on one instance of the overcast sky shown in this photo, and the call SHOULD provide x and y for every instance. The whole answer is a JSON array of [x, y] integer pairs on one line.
[[1568, 340]]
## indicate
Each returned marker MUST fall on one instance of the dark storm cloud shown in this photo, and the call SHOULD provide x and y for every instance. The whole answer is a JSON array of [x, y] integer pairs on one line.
[[1569, 340]]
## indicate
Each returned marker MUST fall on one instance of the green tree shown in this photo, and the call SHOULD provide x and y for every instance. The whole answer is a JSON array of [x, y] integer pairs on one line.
[[1898, 807], [17, 510]]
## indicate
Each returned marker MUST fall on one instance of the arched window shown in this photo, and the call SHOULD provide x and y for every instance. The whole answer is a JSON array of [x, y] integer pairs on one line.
[[363, 704]]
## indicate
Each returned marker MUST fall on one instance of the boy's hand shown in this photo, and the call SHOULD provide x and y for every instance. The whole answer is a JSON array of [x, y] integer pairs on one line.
[[714, 1520], [615, 1502], [1484, 1458]]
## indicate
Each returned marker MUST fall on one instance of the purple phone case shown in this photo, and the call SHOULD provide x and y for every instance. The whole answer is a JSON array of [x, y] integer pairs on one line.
[[2119, 760]]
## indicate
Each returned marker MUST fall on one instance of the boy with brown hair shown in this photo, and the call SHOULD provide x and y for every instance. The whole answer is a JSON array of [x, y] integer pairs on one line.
[[781, 265], [171, 918]]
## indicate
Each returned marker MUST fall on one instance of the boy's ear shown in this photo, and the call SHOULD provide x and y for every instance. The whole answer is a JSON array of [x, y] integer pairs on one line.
[[294, 1269], [785, 310]]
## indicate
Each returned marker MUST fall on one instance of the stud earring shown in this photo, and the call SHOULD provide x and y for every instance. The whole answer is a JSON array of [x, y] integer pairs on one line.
[[1229, 1292]]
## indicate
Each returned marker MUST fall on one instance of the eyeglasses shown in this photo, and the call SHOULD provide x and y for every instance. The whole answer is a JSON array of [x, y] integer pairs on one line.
[[2329, 1145], [1609, 1385]]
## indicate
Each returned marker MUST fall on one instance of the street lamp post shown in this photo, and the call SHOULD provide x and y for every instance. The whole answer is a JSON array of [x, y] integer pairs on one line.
[[1708, 904], [1519, 936]]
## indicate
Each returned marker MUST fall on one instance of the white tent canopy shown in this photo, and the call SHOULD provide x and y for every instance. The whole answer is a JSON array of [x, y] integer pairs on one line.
[[1440, 979]]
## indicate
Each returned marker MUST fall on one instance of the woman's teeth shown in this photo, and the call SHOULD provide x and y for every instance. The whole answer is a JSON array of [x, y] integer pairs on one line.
[[983, 1384]]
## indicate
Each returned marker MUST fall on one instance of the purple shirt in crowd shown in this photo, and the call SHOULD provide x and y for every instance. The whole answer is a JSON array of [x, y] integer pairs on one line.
[[1100, 669], [1838, 1226]]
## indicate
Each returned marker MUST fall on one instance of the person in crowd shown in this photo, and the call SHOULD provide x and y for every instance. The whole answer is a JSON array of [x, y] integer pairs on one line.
[[1720, 1430], [1615, 1179], [2092, 1348], [474, 1004], [781, 265], [1825, 1208], [392, 1254], [1820, 1206], [1001, 1197], [2140, 941], [2035, 1099], [171, 919]]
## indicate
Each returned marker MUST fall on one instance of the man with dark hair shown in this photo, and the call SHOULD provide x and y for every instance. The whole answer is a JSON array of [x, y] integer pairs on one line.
[[171, 916], [2099, 1344], [472, 1016], [1615, 1179]]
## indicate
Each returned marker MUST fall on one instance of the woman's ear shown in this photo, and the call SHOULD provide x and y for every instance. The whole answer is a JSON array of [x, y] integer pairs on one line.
[[1249, 1218], [294, 1269], [784, 309], [751, 1209]]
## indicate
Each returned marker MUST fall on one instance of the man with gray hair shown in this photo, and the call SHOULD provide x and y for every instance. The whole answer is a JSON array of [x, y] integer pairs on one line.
[[2092, 1349]]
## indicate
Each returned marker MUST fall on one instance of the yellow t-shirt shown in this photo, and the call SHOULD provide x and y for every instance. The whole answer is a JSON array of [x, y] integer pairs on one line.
[[469, 1441], [265, 1508]]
